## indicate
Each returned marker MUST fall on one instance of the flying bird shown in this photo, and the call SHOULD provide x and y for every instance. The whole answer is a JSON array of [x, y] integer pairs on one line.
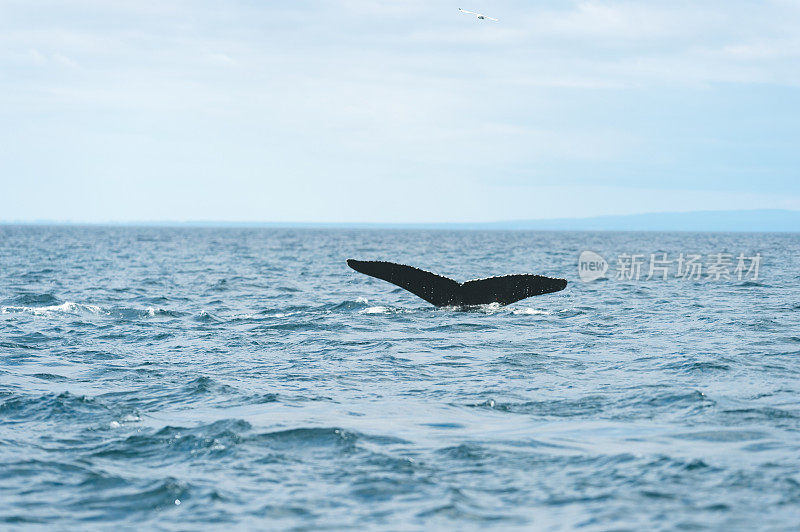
[[478, 15]]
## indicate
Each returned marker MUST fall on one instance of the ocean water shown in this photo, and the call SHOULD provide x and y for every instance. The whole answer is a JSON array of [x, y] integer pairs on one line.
[[179, 378]]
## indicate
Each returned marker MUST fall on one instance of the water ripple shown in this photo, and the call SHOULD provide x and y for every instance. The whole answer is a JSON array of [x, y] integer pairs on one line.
[[205, 378]]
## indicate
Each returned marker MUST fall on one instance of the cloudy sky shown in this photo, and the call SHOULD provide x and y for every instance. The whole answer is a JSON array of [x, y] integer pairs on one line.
[[395, 111]]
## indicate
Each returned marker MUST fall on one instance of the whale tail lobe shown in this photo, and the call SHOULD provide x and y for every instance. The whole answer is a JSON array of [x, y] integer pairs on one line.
[[444, 292]]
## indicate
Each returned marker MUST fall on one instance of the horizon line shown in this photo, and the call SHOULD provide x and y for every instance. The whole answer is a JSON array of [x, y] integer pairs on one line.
[[548, 224], [306, 222]]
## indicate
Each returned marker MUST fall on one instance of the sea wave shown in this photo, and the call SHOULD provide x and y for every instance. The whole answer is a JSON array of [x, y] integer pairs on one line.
[[67, 307], [138, 390], [73, 308]]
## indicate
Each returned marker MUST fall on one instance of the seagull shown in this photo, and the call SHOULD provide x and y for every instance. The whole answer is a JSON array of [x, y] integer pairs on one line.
[[478, 15]]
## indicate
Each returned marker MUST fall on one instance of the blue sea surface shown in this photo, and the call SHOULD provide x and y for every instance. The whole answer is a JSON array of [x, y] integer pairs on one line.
[[186, 378]]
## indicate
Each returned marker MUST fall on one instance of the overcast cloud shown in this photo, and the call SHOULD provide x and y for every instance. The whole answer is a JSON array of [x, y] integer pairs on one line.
[[384, 110]]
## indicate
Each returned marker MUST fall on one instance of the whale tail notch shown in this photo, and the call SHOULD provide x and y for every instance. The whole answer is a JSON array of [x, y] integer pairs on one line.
[[444, 292]]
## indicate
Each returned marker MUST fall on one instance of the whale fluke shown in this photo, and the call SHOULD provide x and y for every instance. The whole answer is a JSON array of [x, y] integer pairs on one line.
[[444, 292]]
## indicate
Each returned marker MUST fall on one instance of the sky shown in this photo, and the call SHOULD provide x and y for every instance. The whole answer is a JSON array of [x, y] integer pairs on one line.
[[395, 111]]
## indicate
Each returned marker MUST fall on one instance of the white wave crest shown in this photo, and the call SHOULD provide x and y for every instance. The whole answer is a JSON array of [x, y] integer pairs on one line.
[[530, 311], [490, 308], [283, 314], [68, 307], [376, 310]]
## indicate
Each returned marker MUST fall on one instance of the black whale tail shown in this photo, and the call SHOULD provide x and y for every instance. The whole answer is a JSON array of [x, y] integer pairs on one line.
[[444, 292]]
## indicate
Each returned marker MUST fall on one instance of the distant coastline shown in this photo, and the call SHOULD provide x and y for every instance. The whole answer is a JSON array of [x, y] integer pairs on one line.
[[750, 221]]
